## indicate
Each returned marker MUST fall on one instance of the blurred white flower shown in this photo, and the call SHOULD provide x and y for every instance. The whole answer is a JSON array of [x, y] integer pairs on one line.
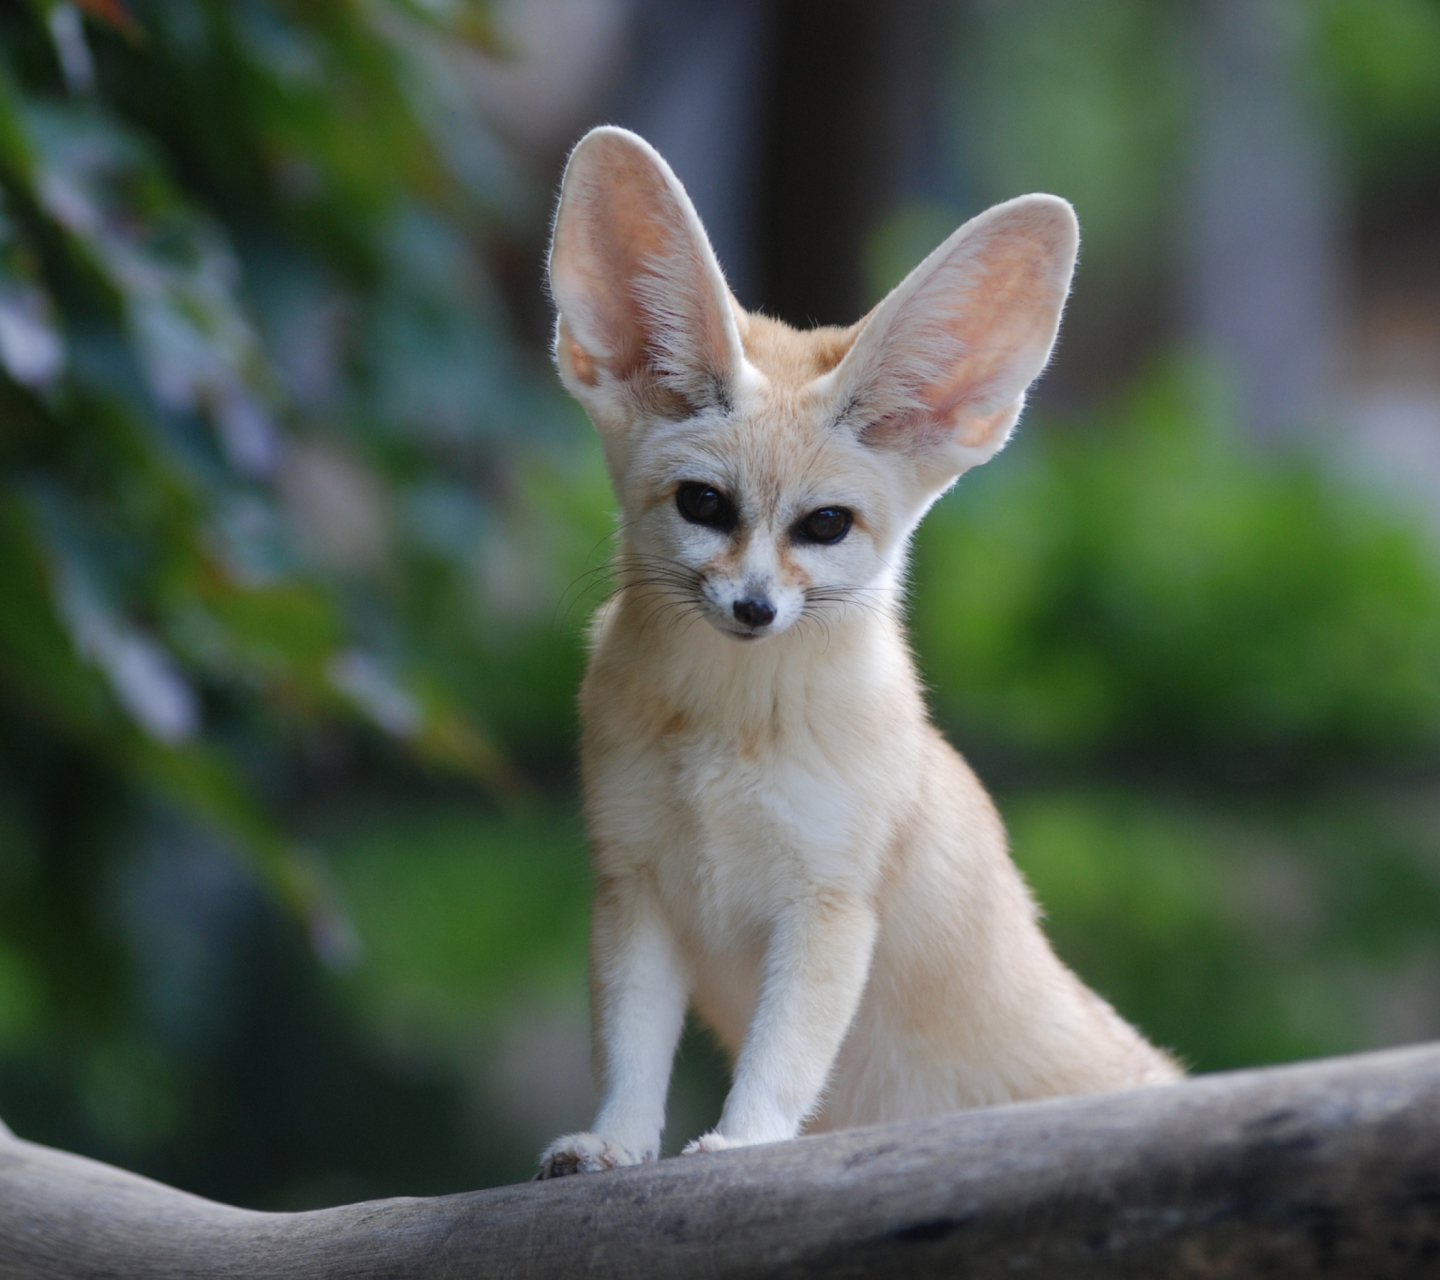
[[248, 436], [30, 346], [143, 676], [371, 688], [71, 48]]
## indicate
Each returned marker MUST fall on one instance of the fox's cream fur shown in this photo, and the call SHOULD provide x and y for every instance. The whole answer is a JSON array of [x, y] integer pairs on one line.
[[781, 838]]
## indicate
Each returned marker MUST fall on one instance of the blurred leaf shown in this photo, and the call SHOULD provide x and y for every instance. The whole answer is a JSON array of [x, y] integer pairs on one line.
[[170, 632], [31, 348]]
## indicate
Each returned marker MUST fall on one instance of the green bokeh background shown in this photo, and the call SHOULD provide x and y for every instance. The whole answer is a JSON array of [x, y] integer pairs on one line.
[[299, 538]]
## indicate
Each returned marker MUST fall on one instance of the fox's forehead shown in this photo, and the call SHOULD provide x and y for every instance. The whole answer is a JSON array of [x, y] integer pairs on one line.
[[774, 447], [792, 357], [774, 452]]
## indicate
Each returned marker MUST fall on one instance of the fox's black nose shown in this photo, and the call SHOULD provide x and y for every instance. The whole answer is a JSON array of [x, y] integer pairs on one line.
[[755, 613]]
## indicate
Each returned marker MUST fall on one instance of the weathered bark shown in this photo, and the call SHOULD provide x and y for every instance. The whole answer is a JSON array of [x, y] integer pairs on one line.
[[1327, 1168]]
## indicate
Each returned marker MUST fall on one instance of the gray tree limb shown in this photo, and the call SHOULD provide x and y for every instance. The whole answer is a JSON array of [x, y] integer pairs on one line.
[[1328, 1168]]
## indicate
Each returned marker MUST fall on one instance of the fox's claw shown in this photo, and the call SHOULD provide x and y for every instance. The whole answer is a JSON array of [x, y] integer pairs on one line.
[[711, 1141], [586, 1153]]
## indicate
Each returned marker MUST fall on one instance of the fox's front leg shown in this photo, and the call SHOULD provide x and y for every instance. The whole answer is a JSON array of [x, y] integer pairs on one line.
[[637, 998], [815, 972]]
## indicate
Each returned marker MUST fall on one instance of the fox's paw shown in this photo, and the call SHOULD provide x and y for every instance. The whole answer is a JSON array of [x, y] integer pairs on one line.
[[711, 1141], [586, 1153]]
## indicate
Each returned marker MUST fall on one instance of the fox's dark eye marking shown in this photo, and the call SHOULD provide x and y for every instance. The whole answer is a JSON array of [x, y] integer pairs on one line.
[[702, 503], [827, 525], [846, 413]]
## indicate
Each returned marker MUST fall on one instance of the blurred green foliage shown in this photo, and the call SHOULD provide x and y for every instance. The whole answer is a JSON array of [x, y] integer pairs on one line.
[[449, 924], [299, 543], [261, 460], [160, 621], [1144, 583], [1243, 929], [1379, 60]]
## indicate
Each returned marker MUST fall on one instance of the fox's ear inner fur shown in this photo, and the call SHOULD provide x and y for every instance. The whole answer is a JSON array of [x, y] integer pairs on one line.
[[646, 320], [940, 368]]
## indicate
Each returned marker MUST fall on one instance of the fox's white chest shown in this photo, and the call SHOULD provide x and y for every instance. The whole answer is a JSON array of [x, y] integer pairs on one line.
[[764, 824], [754, 794], [744, 832]]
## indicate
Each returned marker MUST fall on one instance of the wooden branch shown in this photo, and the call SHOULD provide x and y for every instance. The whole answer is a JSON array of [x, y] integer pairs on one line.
[[1329, 1168]]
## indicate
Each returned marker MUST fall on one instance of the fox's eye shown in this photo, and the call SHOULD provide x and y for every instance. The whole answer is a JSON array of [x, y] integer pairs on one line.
[[829, 524], [705, 504]]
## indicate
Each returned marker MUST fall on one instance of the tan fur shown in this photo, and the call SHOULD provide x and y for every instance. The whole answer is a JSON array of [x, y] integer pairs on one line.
[[781, 838], [791, 357]]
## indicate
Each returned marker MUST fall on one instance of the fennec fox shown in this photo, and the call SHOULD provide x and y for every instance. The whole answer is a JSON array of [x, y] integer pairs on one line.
[[781, 838]]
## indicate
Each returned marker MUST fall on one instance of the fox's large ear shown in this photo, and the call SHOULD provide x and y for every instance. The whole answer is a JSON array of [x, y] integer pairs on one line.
[[646, 321], [940, 368]]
